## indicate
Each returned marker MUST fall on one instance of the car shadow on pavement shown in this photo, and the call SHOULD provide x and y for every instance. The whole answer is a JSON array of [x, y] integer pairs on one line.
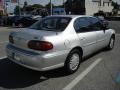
[[13, 76]]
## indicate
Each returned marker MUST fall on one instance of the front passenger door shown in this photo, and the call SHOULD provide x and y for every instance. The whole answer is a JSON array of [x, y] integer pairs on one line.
[[87, 37], [101, 34]]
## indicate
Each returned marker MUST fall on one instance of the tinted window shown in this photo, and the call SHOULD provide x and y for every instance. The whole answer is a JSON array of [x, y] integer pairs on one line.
[[82, 25], [52, 24], [95, 23], [49, 24]]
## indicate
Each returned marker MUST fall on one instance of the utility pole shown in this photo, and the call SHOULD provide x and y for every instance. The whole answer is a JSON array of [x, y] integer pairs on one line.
[[24, 7], [64, 6], [51, 8], [19, 7], [100, 3], [63, 3]]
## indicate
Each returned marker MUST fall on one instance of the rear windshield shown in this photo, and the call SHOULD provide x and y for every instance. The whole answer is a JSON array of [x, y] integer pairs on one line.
[[52, 24]]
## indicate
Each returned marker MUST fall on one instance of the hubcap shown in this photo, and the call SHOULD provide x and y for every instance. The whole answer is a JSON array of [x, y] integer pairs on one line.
[[111, 43], [74, 61]]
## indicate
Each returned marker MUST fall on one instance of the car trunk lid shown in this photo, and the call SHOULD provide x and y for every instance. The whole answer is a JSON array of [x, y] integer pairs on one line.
[[21, 38]]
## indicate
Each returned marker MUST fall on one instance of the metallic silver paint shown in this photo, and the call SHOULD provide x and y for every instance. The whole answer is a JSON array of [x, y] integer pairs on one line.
[[63, 42]]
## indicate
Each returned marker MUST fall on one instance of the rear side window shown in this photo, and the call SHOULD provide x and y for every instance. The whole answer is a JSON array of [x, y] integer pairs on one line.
[[52, 24]]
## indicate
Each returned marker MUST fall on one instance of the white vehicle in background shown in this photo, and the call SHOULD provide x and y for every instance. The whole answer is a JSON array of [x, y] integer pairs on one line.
[[57, 41]]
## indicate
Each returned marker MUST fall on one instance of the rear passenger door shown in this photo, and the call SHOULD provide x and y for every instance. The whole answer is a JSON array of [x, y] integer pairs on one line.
[[87, 36]]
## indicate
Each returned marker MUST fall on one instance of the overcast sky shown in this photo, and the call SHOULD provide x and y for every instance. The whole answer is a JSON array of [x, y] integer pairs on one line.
[[42, 2]]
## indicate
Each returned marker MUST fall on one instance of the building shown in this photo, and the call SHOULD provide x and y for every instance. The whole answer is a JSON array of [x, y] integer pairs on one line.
[[1, 7], [93, 6], [88, 7]]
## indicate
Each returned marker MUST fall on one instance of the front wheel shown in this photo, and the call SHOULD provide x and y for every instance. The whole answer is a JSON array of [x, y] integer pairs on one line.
[[111, 43], [73, 61]]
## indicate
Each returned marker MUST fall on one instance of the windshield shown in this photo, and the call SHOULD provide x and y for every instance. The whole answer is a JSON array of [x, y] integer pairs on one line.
[[52, 24]]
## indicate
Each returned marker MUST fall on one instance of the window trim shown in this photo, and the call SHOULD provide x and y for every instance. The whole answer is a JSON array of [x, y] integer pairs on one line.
[[90, 28]]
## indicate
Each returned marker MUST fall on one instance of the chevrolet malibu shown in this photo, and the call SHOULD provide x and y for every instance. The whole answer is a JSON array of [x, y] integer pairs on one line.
[[59, 41]]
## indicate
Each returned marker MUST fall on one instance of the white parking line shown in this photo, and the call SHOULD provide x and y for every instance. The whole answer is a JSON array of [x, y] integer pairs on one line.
[[82, 75], [3, 57], [4, 42], [117, 34]]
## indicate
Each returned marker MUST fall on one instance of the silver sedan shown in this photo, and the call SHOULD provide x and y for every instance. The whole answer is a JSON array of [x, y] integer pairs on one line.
[[58, 41]]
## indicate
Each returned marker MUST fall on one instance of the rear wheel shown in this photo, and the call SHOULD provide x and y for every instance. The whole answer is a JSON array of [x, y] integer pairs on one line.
[[73, 61]]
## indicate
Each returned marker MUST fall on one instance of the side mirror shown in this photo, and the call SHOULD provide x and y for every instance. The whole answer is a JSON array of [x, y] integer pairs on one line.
[[103, 28], [104, 25]]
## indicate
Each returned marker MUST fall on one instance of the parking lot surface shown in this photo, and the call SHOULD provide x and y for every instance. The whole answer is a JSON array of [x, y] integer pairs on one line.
[[100, 71]]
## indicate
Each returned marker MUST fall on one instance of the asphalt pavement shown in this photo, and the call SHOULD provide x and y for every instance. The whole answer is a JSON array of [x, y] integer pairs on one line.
[[100, 71]]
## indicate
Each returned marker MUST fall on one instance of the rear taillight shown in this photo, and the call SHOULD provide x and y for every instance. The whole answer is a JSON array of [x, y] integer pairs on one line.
[[40, 45], [11, 39]]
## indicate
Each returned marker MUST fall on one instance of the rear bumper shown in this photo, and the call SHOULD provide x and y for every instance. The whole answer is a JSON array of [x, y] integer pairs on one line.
[[35, 61]]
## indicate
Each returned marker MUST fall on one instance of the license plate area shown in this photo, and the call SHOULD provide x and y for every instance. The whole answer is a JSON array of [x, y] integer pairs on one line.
[[14, 56], [11, 54]]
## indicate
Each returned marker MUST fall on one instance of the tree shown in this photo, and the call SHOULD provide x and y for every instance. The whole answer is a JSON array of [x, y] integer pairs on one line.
[[37, 6], [78, 7], [48, 7], [75, 6], [16, 10], [68, 6], [28, 8], [59, 6], [115, 5], [115, 8], [25, 5]]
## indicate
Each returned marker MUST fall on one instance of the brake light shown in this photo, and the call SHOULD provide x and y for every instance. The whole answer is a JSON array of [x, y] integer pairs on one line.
[[40, 45], [11, 39]]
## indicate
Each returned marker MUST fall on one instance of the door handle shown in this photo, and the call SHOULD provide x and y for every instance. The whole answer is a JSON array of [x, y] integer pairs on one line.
[[83, 38]]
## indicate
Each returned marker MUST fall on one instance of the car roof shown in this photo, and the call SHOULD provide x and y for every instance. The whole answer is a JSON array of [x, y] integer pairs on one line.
[[70, 16]]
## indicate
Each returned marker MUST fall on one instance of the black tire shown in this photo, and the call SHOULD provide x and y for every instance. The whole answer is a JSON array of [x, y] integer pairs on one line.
[[111, 43], [69, 61]]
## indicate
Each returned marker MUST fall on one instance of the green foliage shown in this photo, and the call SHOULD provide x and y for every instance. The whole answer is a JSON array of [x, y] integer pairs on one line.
[[115, 5], [16, 10], [27, 8], [115, 8], [25, 3], [49, 5], [75, 6], [37, 6], [33, 7]]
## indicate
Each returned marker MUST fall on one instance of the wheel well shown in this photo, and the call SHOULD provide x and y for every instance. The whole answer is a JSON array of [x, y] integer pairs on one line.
[[78, 48]]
